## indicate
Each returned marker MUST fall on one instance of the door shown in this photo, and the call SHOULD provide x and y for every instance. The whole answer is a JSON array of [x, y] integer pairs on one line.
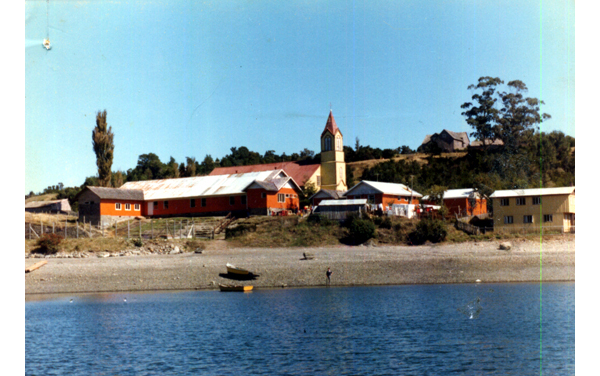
[[150, 208]]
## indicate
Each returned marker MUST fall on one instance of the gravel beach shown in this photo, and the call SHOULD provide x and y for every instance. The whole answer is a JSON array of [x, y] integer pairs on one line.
[[285, 267]]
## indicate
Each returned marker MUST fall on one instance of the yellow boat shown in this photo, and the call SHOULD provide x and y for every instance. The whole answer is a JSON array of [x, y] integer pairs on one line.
[[235, 270], [235, 288]]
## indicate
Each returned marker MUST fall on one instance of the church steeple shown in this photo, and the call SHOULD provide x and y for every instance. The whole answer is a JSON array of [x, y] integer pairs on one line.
[[333, 167], [331, 126]]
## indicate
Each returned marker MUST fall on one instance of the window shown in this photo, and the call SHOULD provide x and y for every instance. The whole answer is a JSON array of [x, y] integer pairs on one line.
[[508, 219], [287, 195], [127, 206], [520, 200], [527, 219], [280, 197], [263, 195], [319, 180], [192, 203], [548, 218], [338, 143], [371, 199], [231, 200], [503, 202], [155, 204], [118, 206], [165, 204], [537, 200], [327, 144], [136, 207], [203, 202], [243, 198]]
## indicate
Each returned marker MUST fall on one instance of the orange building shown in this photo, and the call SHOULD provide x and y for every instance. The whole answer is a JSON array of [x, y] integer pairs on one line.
[[256, 193], [463, 202], [386, 194]]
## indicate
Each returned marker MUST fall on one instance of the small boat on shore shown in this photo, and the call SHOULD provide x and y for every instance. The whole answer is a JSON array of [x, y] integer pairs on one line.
[[232, 269], [235, 288]]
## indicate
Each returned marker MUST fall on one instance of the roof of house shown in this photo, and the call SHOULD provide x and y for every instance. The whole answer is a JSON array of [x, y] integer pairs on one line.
[[217, 185], [396, 189], [331, 126], [39, 204], [300, 173], [358, 201], [336, 195], [116, 193], [463, 136], [533, 192], [456, 193]]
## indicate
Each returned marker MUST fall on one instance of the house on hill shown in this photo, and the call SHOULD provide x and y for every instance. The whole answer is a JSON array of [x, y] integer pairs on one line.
[[549, 209], [462, 202], [256, 193], [51, 206], [329, 174], [446, 140]]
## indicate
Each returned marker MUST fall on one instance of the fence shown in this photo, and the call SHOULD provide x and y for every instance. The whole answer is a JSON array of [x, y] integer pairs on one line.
[[178, 228]]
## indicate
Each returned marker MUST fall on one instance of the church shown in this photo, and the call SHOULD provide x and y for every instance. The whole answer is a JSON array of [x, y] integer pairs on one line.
[[330, 174]]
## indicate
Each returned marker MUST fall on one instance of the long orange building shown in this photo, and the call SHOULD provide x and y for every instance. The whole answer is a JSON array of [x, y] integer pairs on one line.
[[252, 193]]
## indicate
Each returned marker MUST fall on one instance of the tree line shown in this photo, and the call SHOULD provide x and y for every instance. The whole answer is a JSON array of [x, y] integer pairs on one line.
[[528, 158]]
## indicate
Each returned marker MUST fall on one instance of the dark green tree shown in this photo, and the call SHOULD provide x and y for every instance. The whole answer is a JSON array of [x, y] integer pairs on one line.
[[102, 141], [482, 113]]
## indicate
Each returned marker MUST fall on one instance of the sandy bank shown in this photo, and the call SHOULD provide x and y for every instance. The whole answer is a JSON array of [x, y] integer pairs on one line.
[[446, 263]]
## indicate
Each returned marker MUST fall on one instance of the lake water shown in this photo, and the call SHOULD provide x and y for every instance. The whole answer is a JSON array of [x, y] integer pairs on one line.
[[472, 329]]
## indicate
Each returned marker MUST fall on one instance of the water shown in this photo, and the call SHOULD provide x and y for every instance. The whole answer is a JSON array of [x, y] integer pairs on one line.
[[491, 329]]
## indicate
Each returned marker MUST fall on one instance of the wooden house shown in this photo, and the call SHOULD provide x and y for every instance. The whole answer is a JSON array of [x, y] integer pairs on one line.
[[447, 141], [100, 205], [386, 194], [252, 193], [462, 202], [326, 194], [533, 210], [50, 207]]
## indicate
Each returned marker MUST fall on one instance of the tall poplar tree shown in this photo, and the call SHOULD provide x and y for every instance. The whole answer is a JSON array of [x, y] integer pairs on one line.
[[102, 140]]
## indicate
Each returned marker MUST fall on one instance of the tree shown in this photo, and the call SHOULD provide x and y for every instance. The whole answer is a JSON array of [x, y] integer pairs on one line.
[[190, 167], [519, 117], [102, 140], [483, 118]]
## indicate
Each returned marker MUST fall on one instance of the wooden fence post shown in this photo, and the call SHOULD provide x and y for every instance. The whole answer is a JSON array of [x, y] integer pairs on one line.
[[53, 227], [30, 231], [151, 229], [140, 221], [128, 234], [65, 228], [77, 226]]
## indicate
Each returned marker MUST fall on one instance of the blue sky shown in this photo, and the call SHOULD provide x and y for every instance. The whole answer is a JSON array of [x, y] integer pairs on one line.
[[185, 78]]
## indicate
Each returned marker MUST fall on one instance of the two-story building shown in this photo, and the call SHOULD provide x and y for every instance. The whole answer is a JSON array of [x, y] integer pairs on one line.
[[548, 209]]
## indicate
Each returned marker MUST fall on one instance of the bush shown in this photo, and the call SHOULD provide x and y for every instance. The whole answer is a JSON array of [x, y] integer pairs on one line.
[[433, 230], [386, 223], [318, 219], [362, 230], [138, 242], [49, 243]]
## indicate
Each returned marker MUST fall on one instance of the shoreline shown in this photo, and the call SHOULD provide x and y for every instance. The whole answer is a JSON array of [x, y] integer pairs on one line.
[[284, 267]]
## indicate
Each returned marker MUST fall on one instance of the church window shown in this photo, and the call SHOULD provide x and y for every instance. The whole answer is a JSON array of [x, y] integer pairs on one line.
[[327, 143], [338, 143]]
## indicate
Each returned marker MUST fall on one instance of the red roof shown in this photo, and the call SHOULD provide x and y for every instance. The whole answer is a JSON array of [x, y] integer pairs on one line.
[[300, 173], [331, 126]]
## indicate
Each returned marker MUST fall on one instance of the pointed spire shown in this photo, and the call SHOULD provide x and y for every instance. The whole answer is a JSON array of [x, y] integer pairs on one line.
[[331, 126]]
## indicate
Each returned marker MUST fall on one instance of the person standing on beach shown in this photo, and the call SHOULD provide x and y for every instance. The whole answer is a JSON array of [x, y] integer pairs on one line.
[[328, 274]]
